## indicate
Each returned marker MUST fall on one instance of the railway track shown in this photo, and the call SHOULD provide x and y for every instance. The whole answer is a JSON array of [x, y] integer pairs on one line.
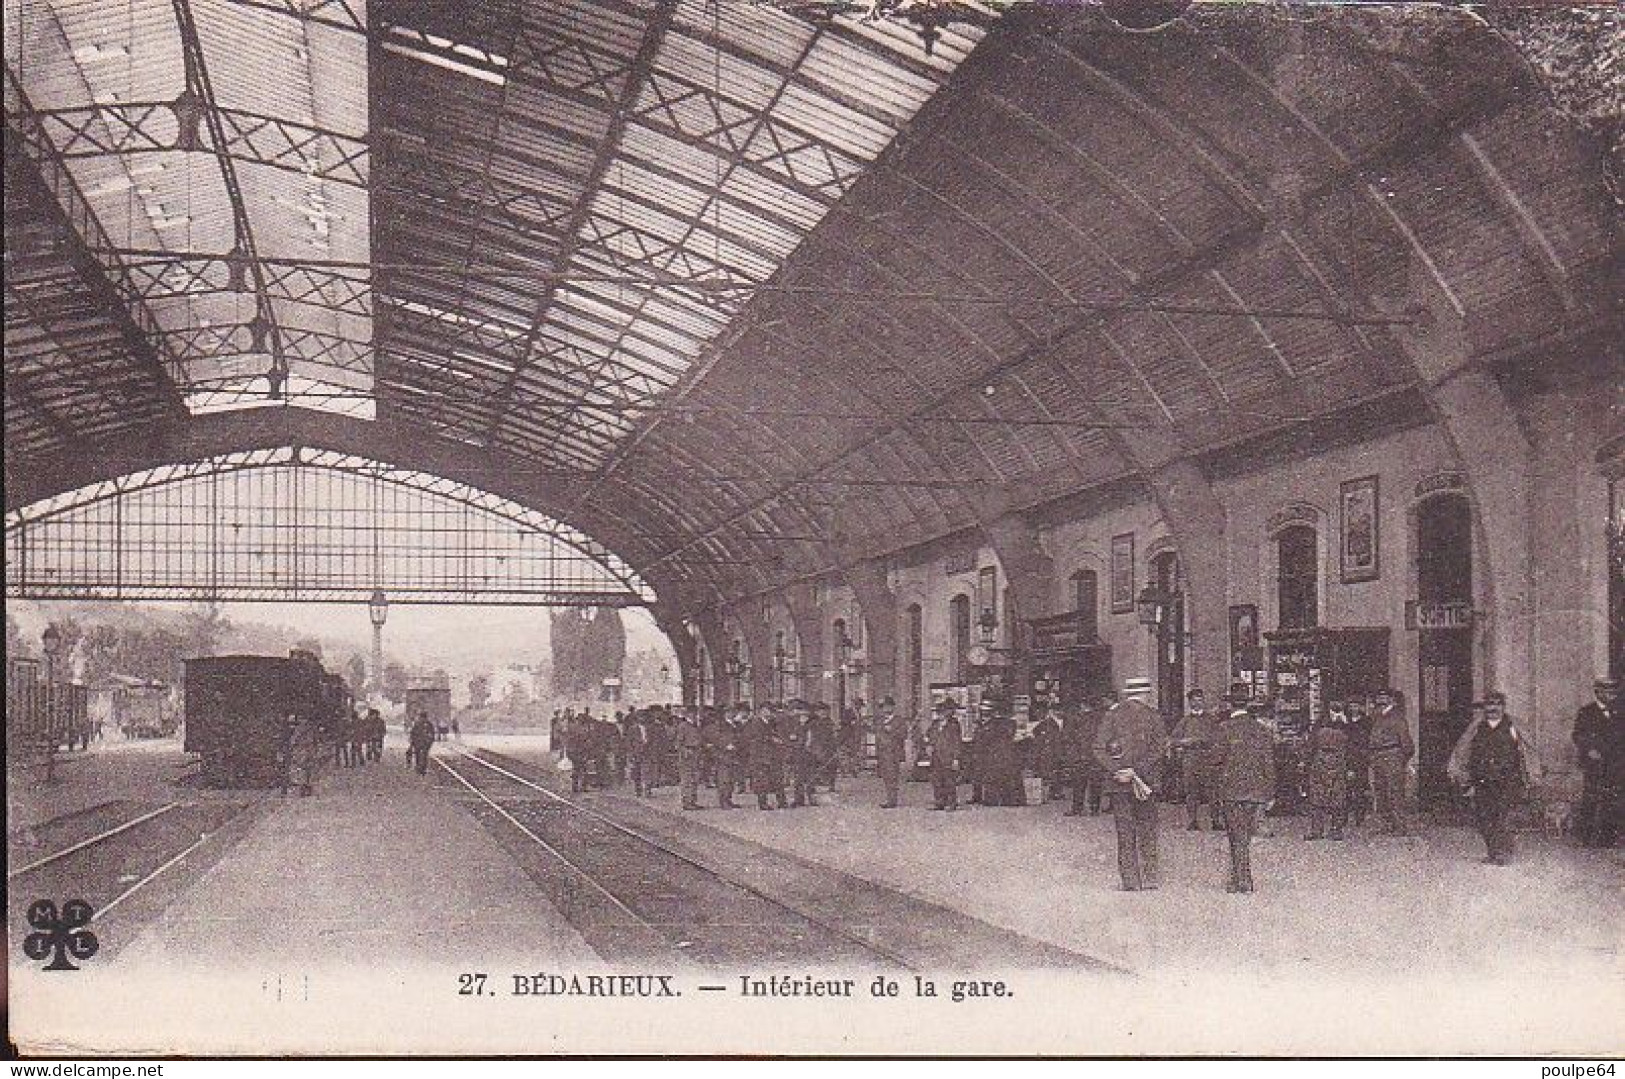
[[112, 852], [631, 895]]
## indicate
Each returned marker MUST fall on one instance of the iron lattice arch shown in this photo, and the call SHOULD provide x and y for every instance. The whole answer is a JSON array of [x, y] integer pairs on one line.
[[303, 524]]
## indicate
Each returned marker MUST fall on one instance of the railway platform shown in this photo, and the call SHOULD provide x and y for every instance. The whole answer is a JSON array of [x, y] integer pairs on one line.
[[1369, 907], [488, 867]]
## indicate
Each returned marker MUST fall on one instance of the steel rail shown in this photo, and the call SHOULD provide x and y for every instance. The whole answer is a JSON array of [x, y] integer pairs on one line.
[[92, 841], [641, 837]]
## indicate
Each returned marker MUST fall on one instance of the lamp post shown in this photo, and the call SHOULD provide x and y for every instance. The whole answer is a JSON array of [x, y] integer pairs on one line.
[[378, 611], [988, 622], [1152, 607], [51, 641]]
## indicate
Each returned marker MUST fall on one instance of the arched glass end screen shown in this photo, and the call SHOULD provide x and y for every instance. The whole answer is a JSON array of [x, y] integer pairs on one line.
[[304, 524]]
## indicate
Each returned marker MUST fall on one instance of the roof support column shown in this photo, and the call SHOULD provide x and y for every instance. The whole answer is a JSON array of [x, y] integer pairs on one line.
[[808, 618], [1197, 520], [715, 638], [1028, 568], [753, 630], [677, 631], [877, 605], [1570, 608]]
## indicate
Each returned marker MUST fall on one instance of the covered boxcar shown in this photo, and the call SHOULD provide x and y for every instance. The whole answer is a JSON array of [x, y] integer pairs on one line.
[[242, 711], [136, 707], [431, 699]]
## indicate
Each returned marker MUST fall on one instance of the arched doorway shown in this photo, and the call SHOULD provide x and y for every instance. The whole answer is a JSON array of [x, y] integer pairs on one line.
[[1297, 578], [1170, 635], [959, 637], [1444, 584]]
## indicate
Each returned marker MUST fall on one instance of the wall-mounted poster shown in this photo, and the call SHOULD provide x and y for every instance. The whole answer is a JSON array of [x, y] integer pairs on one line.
[[1123, 573], [1359, 538], [1245, 653]]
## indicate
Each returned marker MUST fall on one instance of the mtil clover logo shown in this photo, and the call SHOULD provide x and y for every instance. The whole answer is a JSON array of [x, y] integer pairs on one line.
[[60, 936]]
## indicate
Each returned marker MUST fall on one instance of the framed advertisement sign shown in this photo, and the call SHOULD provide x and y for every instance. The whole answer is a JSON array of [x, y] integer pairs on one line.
[[1359, 534]]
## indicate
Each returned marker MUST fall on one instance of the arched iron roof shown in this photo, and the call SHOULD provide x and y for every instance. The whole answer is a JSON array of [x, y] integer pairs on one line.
[[755, 290]]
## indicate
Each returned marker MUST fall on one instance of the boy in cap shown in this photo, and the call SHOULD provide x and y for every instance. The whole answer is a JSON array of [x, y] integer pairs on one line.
[[1130, 745]]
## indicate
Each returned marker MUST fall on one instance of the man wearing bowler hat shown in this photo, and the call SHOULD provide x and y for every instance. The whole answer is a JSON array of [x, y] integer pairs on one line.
[[1130, 745]]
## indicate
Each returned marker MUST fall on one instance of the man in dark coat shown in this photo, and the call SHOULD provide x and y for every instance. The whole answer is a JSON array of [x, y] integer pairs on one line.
[[764, 755], [1047, 753], [804, 745], [376, 729], [1244, 780], [1599, 742], [891, 735], [1088, 781], [419, 739], [1359, 762], [823, 742], [1130, 746], [975, 755], [1392, 747], [945, 741], [1497, 776], [1328, 774], [724, 744], [690, 756], [1002, 785], [635, 745], [1192, 743]]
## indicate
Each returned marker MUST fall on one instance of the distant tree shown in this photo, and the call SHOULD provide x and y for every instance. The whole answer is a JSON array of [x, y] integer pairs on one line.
[[589, 645], [16, 646], [69, 632], [516, 697], [101, 651], [205, 627], [479, 690], [309, 644], [395, 681], [355, 673]]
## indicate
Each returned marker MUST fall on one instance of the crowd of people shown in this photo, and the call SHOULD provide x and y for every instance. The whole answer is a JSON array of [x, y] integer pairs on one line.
[[1118, 755], [781, 753]]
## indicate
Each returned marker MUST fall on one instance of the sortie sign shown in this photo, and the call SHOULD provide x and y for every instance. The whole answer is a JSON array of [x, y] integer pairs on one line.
[[1455, 615]]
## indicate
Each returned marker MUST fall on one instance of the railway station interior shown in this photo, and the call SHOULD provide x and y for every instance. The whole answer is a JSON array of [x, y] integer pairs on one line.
[[908, 351]]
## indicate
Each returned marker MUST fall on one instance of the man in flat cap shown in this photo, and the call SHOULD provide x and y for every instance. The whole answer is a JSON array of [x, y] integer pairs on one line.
[[1130, 745], [1599, 741]]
